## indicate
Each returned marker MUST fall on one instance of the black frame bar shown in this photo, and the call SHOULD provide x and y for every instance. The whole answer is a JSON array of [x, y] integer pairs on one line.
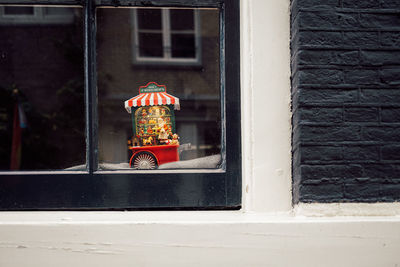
[[95, 190]]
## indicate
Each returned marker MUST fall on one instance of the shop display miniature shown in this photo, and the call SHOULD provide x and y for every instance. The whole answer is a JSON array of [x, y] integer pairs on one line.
[[154, 139]]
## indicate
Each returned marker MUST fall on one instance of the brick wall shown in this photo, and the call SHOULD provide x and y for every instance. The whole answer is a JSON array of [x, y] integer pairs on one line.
[[346, 100]]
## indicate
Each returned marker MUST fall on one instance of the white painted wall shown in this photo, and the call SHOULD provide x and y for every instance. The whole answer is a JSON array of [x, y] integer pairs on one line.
[[266, 232]]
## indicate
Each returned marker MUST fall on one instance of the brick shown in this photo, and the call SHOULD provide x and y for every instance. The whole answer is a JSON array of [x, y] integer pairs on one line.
[[330, 133], [361, 76], [320, 114], [361, 38], [381, 134], [390, 3], [315, 172], [361, 114], [361, 152], [321, 192], [390, 192], [379, 20], [391, 39], [328, 96], [390, 115], [390, 76], [321, 153], [320, 38], [388, 96], [327, 19], [388, 171], [366, 191], [332, 57], [391, 152], [361, 3], [379, 58], [317, 3], [320, 76]]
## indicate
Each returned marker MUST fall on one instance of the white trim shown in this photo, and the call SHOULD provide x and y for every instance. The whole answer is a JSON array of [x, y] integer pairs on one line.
[[266, 117], [347, 209]]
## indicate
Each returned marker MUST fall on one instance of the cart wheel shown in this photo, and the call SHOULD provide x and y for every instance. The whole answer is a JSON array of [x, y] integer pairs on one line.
[[144, 161]]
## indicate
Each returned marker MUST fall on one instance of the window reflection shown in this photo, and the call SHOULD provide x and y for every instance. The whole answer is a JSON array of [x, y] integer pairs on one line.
[[41, 89], [178, 48]]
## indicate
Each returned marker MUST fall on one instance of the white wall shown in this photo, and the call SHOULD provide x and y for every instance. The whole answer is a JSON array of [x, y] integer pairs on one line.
[[266, 232]]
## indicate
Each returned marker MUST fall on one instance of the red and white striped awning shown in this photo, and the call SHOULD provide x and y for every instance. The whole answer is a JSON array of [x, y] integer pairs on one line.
[[152, 94]]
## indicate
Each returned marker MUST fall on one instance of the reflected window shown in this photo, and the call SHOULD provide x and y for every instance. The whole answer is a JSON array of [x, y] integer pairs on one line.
[[36, 15], [168, 36]]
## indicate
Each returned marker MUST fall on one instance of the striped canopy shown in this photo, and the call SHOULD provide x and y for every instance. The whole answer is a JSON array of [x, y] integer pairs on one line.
[[152, 94]]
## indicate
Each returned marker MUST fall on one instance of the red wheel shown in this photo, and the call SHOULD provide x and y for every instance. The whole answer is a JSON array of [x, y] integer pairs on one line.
[[144, 161]]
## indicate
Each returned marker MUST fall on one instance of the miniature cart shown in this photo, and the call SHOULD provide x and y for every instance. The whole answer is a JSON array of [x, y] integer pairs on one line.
[[154, 141]]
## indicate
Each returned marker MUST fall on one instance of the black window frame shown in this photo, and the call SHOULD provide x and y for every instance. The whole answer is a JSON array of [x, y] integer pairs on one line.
[[169, 190]]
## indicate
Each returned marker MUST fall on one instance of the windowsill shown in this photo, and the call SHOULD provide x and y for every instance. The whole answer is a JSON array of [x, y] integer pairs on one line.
[[178, 218]]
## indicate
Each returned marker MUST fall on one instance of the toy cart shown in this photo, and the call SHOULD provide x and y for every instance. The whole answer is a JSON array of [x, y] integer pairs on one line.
[[154, 139]]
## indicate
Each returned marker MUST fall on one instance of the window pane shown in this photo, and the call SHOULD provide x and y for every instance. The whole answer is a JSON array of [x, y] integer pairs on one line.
[[41, 96], [150, 45], [182, 19], [155, 114], [183, 45], [149, 19], [18, 10]]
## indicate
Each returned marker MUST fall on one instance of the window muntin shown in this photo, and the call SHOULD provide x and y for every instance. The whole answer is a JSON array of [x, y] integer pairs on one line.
[[166, 36]]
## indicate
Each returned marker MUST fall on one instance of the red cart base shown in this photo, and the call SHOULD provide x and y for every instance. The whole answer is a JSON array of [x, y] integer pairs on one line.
[[149, 157]]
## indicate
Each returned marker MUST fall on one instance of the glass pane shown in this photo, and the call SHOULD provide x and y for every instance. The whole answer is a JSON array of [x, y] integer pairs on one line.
[[149, 19], [182, 19], [150, 45], [183, 45], [18, 10], [41, 96], [175, 120]]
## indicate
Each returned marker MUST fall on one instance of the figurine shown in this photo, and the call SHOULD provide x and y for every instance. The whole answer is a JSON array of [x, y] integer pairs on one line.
[[175, 140], [144, 113], [163, 136], [148, 141]]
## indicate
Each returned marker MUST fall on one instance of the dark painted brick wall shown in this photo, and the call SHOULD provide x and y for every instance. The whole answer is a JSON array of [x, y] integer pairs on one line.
[[346, 100]]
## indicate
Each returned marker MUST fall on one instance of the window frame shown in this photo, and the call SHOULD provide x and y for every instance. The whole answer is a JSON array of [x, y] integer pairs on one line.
[[167, 58], [186, 189]]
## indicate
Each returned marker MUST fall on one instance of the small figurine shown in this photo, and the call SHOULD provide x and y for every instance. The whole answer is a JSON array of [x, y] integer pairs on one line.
[[162, 112], [148, 141], [141, 131], [175, 140], [149, 130], [152, 121], [144, 113], [163, 136], [150, 111]]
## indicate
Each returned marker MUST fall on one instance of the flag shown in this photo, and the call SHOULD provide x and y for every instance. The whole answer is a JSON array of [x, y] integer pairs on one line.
[[18, 124]]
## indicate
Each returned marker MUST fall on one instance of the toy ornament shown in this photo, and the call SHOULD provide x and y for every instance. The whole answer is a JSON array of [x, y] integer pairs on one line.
[[154, 139]]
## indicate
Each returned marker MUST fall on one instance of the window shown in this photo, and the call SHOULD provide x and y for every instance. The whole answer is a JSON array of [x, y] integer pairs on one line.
[[36, 15], [160, 36], [209, 118]]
